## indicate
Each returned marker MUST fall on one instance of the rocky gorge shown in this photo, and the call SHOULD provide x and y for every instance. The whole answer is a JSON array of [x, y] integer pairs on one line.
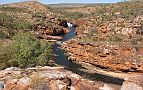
[[92, 47]]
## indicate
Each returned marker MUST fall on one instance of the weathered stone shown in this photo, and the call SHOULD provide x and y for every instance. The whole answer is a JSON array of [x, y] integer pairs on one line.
[[85, 86], [106, 87], [4, 73], [133, 83], [57, 85], [23, 83], [24, 80], [12, 69], [104, 30], [11, 84], [21, 87], [131, 86], [48, 78], [53, 74], [74, 81]]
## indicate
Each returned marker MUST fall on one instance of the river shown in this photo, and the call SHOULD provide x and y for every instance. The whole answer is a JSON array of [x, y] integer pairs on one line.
[[62, 59]]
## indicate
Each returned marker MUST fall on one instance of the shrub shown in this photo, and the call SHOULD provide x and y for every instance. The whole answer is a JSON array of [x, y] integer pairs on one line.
[[21, 25], [3, 35], [4, 57], [73, 15], [28, 51], [37, 82], [6, 20], [116, 38], [137, 40], [10, 22]]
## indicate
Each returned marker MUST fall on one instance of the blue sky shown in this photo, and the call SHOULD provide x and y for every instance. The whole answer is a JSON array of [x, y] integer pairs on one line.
[[64, 1]]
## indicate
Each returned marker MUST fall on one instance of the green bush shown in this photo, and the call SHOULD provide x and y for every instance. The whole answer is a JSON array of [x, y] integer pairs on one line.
[[10, 22], [73, 15], [69, 15], [3, 35], [23, 51], [116, 38], [21, 25], [137, 40], [6, 21], [28, 51], [5, 56]]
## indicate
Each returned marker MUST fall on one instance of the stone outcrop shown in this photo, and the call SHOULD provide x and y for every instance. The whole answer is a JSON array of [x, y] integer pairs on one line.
[[44, 78], [54, 28], [54, 31], [111, 57]]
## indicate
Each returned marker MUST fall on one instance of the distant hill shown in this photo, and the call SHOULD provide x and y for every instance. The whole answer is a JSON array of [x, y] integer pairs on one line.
[[74, 4], [33, 6]]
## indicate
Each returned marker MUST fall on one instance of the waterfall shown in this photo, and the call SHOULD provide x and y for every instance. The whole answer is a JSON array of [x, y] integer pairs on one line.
[[69, 25]]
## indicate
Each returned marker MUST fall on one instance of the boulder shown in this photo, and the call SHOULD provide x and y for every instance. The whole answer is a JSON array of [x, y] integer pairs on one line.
[[11, 84], [57, 85], [23, 83]]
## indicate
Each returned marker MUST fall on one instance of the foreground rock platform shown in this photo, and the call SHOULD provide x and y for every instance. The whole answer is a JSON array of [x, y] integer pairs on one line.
[[57, 78], [43, 78]]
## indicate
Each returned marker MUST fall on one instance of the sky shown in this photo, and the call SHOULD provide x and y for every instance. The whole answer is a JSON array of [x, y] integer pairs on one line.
[[63, 1]]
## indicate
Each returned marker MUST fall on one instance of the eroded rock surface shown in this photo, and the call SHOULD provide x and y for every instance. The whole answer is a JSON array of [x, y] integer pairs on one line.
[[133, 83], [44, 78]]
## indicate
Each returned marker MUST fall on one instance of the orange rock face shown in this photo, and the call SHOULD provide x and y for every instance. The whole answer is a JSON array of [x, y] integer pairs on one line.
[[105, 56]]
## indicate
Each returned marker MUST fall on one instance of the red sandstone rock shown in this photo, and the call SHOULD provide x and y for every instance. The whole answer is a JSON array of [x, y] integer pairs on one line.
[[11, 84]]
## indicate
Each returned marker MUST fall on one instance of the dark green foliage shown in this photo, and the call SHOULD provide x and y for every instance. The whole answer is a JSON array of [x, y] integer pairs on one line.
[[25, 51], [28, 51], [69, 15], [10, 22], [21, 25], [3, 35], [74, 15], [39, 16], [5, 56], [6, 21]]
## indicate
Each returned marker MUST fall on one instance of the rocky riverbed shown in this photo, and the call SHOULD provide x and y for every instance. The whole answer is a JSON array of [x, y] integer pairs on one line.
[[56, 78], [45, 78]]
